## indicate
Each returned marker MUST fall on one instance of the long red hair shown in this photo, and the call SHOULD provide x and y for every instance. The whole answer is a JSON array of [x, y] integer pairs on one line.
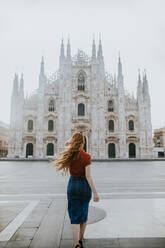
[[63, 162]]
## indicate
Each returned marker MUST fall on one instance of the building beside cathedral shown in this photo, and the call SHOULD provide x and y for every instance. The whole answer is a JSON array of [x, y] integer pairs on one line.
[[159, 142], [4, 132], [81, 96]]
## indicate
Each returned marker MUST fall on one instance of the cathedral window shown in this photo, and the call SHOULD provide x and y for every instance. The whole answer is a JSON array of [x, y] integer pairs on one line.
[[81, 109], [111, 125], [51, 105], [110, 106], [131, 125], [81, 82], [30, 125], [50, 125]]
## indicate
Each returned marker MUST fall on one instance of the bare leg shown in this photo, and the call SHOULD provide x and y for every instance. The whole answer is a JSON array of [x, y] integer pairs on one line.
[[75, 232], [82, 230]]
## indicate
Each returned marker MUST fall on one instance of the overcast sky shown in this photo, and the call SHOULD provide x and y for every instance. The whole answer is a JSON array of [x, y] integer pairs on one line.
[[32, 28]]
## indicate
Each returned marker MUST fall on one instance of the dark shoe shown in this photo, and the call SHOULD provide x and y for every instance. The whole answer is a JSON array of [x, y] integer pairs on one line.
[[77, 246], [81, 244]]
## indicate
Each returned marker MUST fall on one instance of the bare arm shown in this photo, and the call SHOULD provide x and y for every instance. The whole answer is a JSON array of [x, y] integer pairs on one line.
[[90, 181]]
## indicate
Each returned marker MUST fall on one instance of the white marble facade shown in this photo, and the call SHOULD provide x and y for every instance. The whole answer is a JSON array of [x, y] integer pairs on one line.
[[81, 96]]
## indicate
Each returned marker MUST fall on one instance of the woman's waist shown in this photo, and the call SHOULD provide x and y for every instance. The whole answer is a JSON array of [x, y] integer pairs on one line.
[[77, 177]]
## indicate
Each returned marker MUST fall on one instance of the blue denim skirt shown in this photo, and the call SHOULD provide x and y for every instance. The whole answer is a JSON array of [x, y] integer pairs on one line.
[[79, 194]]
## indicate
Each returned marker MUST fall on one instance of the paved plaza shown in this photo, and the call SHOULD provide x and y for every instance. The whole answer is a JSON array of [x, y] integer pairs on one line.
[[130, 213]]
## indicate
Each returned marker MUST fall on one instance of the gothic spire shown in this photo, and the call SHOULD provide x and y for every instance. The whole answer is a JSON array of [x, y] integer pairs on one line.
[[42, 70], [15, 85], [139, 78], [120, 72], [145, 83], [42, 76], [21, 82], [62, 55], [22, 85], [139, 87], [68, 50], [93, 49], [100, 52]]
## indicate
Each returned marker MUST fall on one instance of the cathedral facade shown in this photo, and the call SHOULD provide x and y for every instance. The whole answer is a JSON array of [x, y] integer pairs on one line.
[[81, 96]]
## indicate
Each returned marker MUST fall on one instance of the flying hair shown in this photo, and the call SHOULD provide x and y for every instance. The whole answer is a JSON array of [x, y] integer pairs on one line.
[[63, 159]]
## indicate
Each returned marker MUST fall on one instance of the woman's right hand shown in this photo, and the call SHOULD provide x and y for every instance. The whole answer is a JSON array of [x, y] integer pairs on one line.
[[95, 197]]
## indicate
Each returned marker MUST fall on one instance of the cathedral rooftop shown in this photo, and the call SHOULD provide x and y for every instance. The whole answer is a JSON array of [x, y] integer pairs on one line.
[[81, 58]]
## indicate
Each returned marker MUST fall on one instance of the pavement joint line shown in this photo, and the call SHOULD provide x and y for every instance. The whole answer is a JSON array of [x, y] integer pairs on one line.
[[9, 231], [135, 193], [12, 201], [64, 194]]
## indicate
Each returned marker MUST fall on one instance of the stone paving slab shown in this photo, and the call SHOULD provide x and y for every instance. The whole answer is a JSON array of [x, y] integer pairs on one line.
[[11, 230], [142, 242], [18, 244], [8, 211], [93, 243], [118, 243], [102, 243], [3, 244], [24, 234], [124, 243], [127, 218], [49, 233]]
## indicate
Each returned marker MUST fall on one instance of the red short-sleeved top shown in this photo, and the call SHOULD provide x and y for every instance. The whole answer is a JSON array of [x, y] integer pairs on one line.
[[77, 166]]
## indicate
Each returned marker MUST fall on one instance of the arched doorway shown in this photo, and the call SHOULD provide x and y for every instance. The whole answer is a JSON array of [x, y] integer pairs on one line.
[[132, 150], [85, 145], [50, 149], [29, 149], [111, 150]]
